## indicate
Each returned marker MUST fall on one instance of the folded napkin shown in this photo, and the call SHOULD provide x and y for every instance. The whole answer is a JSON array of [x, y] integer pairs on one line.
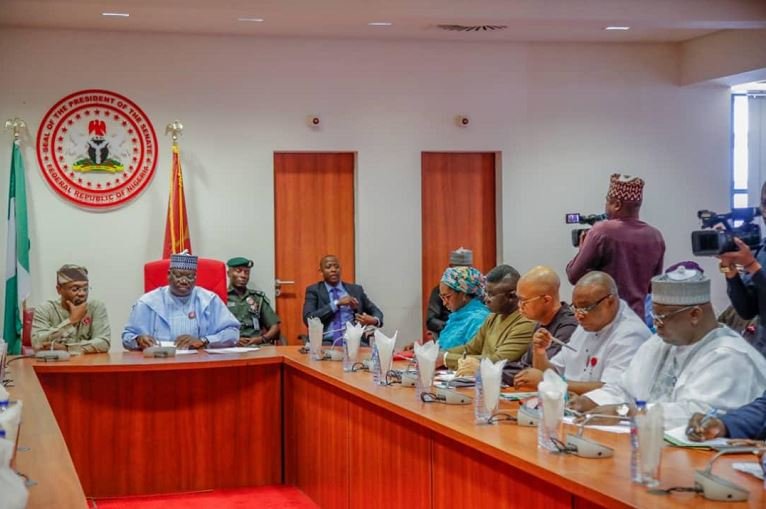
[[316, 330], [385, 346], [551, 392], [426, 356], [491, 376], [353, 337]]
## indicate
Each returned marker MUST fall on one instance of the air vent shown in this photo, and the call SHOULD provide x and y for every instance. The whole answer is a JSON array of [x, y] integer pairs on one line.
[[472, 28]]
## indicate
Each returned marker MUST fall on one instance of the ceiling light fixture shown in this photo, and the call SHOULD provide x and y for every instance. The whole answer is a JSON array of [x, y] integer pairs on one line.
[[617, 28], [116, 14], [380, 24], [253, 20]]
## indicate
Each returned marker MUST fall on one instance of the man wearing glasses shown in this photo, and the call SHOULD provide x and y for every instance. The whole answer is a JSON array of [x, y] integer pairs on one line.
[[181, 312], [71, 322], [505, 333], [539, 301], [693, 363], [607, 337]]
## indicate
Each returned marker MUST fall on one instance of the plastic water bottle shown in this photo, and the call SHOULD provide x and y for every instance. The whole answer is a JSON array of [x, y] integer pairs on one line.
[[480, 412], [635, 459], [375, 364]]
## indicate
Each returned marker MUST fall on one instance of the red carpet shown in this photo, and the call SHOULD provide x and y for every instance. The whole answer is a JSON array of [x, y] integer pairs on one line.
[[264, 497]]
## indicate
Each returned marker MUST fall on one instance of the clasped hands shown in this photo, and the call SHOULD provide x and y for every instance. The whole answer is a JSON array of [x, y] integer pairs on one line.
[[361, 318], [182, 342]]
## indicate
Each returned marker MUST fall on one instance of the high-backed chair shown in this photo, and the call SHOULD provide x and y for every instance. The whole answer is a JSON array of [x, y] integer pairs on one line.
[[211, 275], [26, 331]]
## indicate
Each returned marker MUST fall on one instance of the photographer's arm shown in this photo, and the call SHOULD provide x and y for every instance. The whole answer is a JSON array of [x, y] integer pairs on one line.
[[746, 298]]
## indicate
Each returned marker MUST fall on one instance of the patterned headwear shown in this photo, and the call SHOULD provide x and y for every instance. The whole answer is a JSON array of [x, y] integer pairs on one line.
[[68, 273], [465, 280], [688, 264], [682, 287], [461, 257], [626, 188], [183, 261]]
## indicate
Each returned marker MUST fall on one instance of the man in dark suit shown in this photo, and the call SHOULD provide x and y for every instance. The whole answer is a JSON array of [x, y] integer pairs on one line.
[[335, 302]]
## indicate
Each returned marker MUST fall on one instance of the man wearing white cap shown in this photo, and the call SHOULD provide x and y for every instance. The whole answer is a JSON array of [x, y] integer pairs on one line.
[[693, 363], [624, 247], [181, 312]]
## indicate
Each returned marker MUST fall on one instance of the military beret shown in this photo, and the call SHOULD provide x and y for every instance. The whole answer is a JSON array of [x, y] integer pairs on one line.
[[239, 261]]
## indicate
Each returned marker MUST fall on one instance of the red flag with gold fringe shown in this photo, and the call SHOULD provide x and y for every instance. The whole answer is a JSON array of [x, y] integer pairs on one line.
[[177, 226]]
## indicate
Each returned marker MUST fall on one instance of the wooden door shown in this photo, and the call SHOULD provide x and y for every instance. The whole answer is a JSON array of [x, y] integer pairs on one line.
[[314, 216], [458, 209]]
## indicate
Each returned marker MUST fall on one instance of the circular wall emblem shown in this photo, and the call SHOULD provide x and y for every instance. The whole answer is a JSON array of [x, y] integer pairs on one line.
[[97, 149]]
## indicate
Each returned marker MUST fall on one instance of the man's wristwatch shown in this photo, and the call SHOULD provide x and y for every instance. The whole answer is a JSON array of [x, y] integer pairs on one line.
[[205, 342]]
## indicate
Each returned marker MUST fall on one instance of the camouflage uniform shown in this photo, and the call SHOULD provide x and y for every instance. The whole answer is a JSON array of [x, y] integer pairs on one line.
[[253, 311]]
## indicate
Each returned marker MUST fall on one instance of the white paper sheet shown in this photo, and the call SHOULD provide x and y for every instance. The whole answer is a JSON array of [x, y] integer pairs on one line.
[[749, 467], [677, 437], [233, 349]]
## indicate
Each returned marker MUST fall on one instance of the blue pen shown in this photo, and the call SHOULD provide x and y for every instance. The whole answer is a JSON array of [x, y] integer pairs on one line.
[[710, 414]]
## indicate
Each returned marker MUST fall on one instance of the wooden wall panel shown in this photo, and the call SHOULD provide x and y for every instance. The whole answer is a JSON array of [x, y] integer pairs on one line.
[[464, 477], [316, 436], [314, 216], [458, 209], [390, 463], [132, 433]]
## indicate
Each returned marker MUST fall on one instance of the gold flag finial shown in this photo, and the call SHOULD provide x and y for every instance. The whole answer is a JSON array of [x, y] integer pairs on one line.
[[175, 129], [15, 124]]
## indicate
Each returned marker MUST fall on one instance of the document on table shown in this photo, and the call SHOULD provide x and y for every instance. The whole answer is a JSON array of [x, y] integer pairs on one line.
[[677, 437], [749, 467], [233, 349], [173, 344], [621, 428]]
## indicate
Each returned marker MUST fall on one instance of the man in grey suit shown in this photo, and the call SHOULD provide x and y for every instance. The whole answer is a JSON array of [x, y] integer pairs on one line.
[[336, 302]]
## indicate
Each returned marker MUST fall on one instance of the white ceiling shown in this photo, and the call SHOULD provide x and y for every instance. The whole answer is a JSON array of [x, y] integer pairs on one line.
[[527, 20]]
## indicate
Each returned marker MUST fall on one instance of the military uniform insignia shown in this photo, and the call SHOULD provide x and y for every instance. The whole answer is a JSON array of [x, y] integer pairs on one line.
[[97, 149]]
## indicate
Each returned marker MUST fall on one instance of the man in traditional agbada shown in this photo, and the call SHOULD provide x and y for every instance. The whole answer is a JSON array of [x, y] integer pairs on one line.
[[190, 316]]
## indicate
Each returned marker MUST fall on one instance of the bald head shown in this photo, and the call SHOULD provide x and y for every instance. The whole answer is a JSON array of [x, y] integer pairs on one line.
[[599, 280], [542, 280]]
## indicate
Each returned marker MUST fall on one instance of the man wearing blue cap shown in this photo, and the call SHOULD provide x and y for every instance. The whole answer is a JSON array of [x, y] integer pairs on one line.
[[258, 322], [181, 312]]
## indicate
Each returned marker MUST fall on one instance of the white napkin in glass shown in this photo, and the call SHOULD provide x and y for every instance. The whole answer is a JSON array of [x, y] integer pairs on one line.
[[426, 355], [353, 338], [385, 346], [491, 376], [551, 392], [316, 329], [651, 433]]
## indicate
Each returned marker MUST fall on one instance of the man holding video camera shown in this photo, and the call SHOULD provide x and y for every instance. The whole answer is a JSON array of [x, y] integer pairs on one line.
[[623, 246], [748, 293]]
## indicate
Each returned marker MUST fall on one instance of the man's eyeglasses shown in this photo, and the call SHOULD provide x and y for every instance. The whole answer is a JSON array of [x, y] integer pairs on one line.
[[524, 302], [587, 309], [661, 319], [183, 277]]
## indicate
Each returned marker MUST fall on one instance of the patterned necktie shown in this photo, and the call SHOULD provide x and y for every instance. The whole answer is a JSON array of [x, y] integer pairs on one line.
[[337, 322]]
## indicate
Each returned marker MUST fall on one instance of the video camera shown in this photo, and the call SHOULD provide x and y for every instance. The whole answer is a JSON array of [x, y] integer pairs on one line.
[[576, 218], [715, 241]]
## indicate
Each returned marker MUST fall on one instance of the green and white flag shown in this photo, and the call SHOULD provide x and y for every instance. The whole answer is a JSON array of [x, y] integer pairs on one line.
[[17, 278]]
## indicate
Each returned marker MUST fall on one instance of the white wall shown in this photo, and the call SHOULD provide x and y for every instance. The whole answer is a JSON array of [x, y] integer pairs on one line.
[[563, 116]]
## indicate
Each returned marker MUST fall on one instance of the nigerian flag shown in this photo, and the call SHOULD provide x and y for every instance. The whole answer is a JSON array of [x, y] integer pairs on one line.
[[17, 280]]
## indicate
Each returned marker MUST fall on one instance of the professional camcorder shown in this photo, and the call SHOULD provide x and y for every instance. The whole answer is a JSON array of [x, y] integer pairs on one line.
[[720, 237], [576, 218]]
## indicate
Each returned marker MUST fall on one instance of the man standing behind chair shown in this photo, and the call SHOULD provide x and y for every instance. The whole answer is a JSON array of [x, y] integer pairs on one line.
[[336, 302], [71, 322], [624, 247], [259, 323], [190, 316]]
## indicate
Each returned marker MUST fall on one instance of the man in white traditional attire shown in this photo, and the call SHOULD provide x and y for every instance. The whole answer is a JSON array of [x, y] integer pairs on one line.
[[182, 312], [608, 335], [693, 363]]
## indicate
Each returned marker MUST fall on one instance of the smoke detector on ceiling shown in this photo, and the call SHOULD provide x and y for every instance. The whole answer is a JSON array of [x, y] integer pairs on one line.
[[472, 28]]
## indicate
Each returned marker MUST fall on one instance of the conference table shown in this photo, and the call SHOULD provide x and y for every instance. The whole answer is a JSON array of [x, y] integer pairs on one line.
[[119, 424]]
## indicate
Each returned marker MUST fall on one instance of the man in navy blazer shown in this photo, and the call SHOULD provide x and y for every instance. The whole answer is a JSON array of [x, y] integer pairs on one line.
[[335, 302]]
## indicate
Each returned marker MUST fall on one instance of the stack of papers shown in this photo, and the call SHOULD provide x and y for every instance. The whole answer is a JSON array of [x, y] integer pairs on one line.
[[233, 349], [677, 438]]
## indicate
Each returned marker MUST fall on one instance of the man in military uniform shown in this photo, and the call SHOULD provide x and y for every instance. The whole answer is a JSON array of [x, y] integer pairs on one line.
[[258, 322], [71, 322]]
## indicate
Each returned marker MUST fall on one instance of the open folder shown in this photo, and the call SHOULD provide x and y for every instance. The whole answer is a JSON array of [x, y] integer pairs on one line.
[[677, 438]]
